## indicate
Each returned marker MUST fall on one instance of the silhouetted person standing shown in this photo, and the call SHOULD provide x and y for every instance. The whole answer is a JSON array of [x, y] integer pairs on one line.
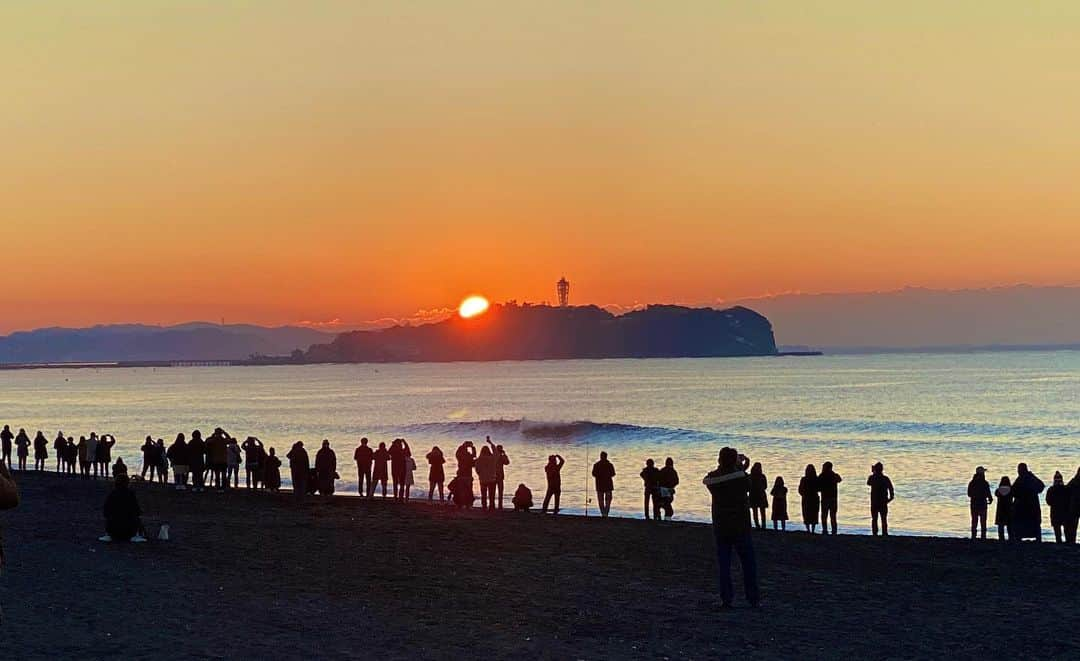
[[272, 471], [1073, 522], [148, 464], [666, 483], [6, 437], [436, 473], [41, 451], [254, 452], [553, 471], [603, 473], [650, 479], [828, 484], [779, 504], [501, 462], [759, 502], [1057, 499], [22, 448], [363, 456], [485, 472], [811, 499], [59, 445], [196, 454], [299, 469], [1003, 512], [399, 450], [326, 468], [1027, 514], [881, 494], [104, 452], [979, 499], [178, 457], [729, 486], [380, 473]]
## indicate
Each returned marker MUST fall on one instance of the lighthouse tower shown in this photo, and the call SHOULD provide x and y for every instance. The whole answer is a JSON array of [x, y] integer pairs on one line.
[[562, 288]]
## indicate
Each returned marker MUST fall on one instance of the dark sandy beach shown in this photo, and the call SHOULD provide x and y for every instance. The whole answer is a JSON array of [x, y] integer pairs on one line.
[[254, 576]]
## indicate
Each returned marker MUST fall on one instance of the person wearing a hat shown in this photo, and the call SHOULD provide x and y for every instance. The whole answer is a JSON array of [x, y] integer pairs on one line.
[[979, 495]]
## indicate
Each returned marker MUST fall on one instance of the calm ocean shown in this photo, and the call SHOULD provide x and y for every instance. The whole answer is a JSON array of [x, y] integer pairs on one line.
[[931, 418]]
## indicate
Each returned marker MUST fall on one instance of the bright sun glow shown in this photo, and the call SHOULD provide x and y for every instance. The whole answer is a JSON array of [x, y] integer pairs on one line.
[[473, 306]]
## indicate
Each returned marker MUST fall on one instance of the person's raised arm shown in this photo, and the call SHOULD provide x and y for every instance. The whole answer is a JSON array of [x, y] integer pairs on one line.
[[560, 459]]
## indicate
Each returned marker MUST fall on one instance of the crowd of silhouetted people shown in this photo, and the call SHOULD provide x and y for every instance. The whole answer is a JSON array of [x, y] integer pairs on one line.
[[219, 461]]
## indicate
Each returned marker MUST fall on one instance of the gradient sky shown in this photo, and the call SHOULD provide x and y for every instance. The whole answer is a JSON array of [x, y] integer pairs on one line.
[[278, 161]]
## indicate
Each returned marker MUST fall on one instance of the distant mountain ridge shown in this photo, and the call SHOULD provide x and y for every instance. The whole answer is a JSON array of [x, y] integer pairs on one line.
[[540, 332], [193, 341], [915, 318]]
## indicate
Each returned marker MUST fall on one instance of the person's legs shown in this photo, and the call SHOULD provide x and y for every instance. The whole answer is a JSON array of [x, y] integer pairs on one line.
[[670, 512], [832, 517], [873, 521], [974, 522], [1057, 532], [982, 523], [1001, 532], [1070, 530], [884, 523], [547, 499], [499, 491], [647, 496], [607, 503], [558, 492], [744, 546], [723, 573]]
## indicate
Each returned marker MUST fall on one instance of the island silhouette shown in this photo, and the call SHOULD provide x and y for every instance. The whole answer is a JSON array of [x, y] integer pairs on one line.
[[539, 332]]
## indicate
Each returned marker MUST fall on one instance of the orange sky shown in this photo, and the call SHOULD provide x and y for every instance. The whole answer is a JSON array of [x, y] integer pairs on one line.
[[277, 161]]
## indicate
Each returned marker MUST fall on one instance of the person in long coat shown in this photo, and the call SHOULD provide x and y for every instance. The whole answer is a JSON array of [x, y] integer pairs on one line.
[[811, 499], [326, 469], [1027, 514]]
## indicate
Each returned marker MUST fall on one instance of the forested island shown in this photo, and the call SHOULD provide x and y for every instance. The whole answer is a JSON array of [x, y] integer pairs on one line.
[[540, 332]]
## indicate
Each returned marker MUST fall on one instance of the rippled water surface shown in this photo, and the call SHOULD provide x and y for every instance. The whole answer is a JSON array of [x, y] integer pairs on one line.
[[930, 418]]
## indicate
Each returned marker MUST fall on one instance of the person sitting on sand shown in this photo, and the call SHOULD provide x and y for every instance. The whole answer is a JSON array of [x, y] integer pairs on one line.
[[272, 472], [1027, 514], [1003, 512], [253, 455], [22, 445], [729, 487], [485, 473], [122, 514], [603, 473], [650, 479], [828, 484], [119, 468], [666, 481], [41, 451], [1057, 499], [553, 471], [461, 493], [1073, 520], [979, 498], [178, 457], [779, 503], [299, 469], [522, 499], [811, 499], [380, 474], [436, 474], [363, 456], [759, 501], [881, 494], [326, 468]]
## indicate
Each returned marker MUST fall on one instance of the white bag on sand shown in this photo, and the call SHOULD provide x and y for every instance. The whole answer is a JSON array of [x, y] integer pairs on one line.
[[163, 533]]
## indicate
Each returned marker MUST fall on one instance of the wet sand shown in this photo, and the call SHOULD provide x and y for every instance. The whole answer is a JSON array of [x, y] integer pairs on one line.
[[255, 576]]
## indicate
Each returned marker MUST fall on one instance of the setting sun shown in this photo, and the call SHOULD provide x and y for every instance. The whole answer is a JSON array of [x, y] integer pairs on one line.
[[473, 306]]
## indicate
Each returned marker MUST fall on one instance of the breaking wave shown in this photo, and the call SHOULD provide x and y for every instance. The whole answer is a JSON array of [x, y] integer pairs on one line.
[[567, 432]]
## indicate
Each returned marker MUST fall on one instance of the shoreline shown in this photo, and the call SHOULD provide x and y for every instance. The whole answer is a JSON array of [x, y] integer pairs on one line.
[[255, 575]]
